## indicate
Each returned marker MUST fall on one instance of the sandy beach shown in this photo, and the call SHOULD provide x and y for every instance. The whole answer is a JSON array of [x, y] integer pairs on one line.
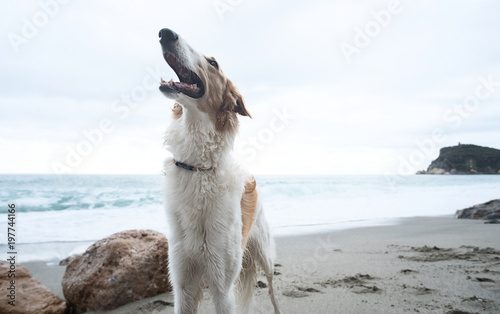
[[426, 265]]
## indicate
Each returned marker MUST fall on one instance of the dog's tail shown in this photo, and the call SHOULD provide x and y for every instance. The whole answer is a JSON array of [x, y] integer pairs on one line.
[[259, 254], [246, 283]]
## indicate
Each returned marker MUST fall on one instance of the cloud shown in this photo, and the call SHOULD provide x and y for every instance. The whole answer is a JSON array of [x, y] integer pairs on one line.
[[101, 60]]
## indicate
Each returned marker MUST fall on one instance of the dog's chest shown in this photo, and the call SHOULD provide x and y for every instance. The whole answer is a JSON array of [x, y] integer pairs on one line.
[[202, 201]]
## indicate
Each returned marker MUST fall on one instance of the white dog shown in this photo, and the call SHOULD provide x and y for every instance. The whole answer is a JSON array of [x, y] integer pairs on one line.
[[218, 233]]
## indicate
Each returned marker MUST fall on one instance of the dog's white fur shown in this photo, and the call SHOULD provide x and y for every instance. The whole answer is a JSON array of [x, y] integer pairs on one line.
[[204, 212]]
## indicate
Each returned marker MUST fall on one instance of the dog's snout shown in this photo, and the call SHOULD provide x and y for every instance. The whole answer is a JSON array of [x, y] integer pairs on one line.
[[167, 35]]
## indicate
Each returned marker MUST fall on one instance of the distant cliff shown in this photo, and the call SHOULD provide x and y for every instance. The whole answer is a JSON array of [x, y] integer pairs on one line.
[[465, 159]]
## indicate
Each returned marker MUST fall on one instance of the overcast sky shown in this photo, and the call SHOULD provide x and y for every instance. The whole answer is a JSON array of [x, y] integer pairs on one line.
[[334, 87]]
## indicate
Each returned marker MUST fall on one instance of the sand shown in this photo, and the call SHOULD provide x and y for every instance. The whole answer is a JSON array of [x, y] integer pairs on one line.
[[426, 265]]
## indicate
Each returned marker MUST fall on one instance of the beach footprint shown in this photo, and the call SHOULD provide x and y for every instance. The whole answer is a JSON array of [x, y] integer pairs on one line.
[[300, 292]]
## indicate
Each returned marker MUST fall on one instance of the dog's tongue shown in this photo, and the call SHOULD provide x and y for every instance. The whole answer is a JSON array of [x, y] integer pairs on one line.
[[184, 86], [180, 85]]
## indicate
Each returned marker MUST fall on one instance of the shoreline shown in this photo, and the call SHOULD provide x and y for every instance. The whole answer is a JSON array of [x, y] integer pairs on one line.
[[431, 264], [53, 252]]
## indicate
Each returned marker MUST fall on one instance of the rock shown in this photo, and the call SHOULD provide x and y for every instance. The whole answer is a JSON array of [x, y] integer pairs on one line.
[[122, 268], [466, 159], [67, 260], [436, 171], [487, 211], [30, 295]]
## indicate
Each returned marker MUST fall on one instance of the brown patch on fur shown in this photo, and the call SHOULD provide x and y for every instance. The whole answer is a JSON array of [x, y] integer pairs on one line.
[[248, 208], [215, 83], [232, 103], [177, 111], [222, 100]]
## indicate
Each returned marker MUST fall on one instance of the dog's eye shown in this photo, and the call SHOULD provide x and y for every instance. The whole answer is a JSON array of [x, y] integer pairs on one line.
[[214, 64]]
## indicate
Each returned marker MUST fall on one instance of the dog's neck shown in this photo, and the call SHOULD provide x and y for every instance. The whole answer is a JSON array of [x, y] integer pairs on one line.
[[193, 140]]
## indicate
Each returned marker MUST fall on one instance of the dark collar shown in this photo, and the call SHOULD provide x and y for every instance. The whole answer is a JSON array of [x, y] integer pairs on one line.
[[189, 167]]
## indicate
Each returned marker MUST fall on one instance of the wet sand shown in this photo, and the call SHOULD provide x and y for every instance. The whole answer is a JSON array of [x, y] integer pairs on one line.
[[426, 265]]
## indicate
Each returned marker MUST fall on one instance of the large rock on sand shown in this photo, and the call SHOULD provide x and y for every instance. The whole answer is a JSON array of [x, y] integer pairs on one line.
[[487, 211], [28, 296], [124, 267]]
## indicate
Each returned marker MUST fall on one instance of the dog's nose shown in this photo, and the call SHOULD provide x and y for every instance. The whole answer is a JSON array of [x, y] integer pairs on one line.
[[167, 35]]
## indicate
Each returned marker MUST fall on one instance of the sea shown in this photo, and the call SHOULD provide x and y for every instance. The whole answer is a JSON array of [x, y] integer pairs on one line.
[[57, 216]]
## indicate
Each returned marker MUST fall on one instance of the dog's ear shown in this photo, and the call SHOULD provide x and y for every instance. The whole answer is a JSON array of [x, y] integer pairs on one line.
[[239, 104], [240, 107], [232, 102]]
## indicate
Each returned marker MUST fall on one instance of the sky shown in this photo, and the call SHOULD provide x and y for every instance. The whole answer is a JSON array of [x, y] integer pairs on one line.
[[334, 87]]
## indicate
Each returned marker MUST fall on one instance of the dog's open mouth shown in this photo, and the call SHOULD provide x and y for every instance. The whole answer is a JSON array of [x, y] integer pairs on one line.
[[190, 83]]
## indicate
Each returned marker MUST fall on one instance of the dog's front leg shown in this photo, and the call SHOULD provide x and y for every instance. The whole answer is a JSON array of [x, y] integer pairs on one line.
[[223, 269], [186, 274], [222, 289]]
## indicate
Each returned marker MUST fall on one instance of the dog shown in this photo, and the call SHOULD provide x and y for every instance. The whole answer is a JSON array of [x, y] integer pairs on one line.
[[218, 234]]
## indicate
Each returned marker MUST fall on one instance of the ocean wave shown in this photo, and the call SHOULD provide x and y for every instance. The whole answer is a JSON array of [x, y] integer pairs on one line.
[[49, 193], [87, 208]]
